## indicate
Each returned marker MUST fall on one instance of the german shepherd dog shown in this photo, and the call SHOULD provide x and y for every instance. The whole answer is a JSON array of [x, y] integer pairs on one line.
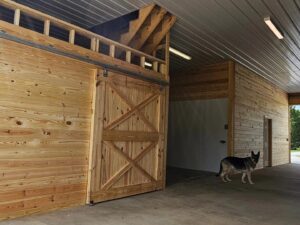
[[230, 165]]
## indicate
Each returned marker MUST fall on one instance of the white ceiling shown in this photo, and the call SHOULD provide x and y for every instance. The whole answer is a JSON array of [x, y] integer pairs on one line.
[[210, 31]]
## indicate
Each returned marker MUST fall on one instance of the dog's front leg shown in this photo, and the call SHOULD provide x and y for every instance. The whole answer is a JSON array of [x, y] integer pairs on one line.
[[227, 177], [249, 177], [243, 178]]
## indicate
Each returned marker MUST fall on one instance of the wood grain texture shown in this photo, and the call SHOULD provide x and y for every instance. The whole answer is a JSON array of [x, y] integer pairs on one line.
[[209, 82], [42, 39], [129, 150], [45, 119], [294, 98], [256, 98], [231, 107]]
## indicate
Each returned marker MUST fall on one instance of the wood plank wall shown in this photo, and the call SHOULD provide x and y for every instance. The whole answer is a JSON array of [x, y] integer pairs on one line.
[[45, 114], [256, 98], [209, 82], [294, 98]]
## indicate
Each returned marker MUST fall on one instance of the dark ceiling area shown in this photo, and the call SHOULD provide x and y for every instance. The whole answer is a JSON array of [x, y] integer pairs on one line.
[[209, 31]]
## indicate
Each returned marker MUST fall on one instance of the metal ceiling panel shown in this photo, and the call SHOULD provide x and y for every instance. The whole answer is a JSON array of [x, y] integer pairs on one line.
[[210, 31]]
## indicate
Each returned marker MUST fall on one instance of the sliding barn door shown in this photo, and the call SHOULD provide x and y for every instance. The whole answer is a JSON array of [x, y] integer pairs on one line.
[[128, 151]]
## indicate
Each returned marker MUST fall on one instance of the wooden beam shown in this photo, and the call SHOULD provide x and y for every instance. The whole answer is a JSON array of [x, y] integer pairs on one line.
[[96, 131], [294, 98], [158, 35], [132, 106], [127, 166], [147, 29], [68, 26], [27, 37], [135, 25], [140, 136], [231, 108], [132, 111], [128, 159], [165, 116], [167, 56]]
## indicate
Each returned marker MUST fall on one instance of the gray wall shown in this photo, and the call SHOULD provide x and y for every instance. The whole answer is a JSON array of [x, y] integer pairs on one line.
[[195, 131]]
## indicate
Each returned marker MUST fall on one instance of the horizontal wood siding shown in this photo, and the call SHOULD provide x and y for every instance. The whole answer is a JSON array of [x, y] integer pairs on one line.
[[45, 115], [209, 82], [256, 98]]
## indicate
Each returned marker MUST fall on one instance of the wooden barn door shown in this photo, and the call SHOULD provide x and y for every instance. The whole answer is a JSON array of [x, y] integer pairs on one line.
[[127, 155]]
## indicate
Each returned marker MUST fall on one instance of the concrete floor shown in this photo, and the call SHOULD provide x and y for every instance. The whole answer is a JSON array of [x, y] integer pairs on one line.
[[195, 198]]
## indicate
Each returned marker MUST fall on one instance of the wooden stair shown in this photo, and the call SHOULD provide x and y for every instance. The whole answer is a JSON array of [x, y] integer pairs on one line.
[[158, 35], [148, 30], [144, 29], [136, 24]]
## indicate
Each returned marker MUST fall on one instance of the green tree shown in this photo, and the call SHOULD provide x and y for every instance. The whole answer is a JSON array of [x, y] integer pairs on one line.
[[295, 127]]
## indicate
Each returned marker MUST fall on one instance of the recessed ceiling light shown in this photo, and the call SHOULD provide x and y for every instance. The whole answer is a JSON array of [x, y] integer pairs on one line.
[[176, 52], [148, 64], [273, 28]]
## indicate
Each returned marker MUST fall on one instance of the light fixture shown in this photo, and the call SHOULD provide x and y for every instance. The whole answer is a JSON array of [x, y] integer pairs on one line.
[[273, 28], [176, 52], [148, 64]]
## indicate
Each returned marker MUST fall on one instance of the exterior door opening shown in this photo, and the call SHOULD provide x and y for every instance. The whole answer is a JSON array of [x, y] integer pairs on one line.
[[295, 134]]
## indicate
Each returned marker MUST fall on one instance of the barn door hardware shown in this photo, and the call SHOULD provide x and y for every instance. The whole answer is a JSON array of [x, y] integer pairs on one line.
[[105, 72]]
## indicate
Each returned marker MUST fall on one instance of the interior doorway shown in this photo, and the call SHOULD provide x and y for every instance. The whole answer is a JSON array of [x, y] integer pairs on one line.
[[267, 142], [197, 134]]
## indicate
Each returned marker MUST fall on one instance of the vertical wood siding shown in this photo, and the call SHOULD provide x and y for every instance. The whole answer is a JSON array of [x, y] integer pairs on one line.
[[256, 98]]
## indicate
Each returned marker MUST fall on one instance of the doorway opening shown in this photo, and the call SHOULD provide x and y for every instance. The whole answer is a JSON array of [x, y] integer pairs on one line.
[[197, 139], [295, 134], [267, 156]]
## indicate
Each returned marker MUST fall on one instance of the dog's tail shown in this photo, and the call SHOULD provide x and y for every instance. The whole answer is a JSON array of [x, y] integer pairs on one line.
[[220, 171]]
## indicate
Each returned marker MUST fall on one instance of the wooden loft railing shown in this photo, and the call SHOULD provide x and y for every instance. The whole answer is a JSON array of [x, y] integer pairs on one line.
[[158, 65]]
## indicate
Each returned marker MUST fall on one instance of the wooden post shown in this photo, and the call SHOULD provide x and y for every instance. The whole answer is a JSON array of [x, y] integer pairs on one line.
[[162, 69], [290, 134], [72, 36], [96, 133], [167, 90], [112, 49], [142, 61], [155, 66], [128, 56], [17, 17], [231, 108], [167, 56], [97, 45], [47, 27], [93, 44]]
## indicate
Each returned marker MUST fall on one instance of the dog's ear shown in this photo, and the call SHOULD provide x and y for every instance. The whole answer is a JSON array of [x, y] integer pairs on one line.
[[252, 153]]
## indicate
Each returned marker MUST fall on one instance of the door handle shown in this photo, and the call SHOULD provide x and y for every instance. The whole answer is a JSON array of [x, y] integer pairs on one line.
[[222, 141]]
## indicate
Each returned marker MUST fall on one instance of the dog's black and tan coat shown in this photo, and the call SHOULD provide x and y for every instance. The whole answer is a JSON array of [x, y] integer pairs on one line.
[[230, 165]]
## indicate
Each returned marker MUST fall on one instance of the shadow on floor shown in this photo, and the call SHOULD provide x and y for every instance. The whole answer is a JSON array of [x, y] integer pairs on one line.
[[178, 175]]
